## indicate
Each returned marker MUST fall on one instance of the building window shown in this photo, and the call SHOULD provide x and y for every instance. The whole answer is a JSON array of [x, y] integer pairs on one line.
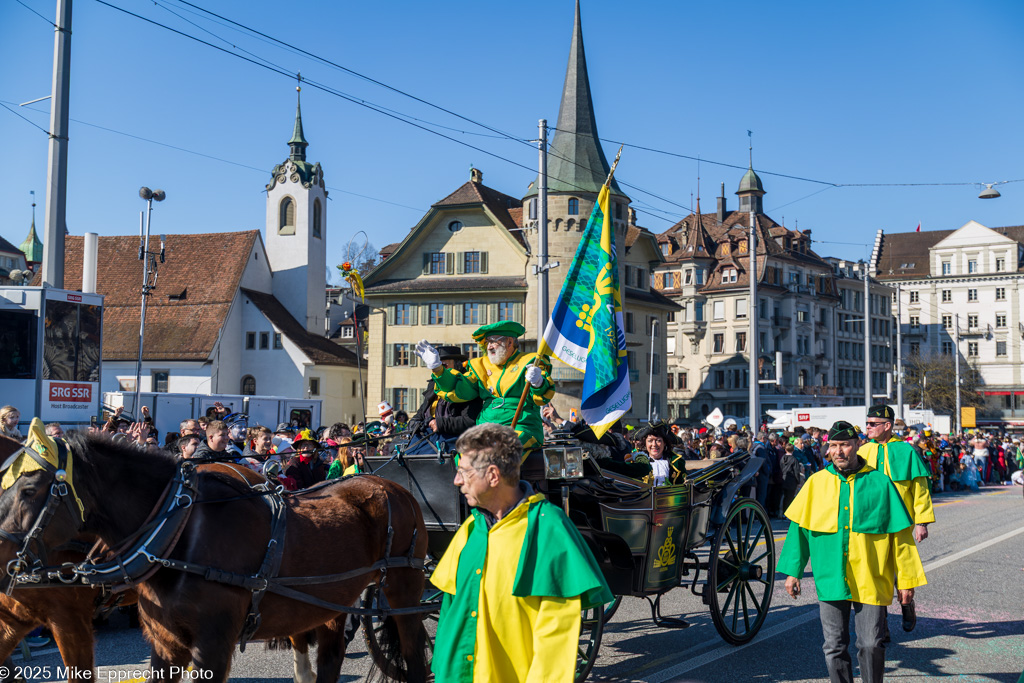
[[729, 275], [1000, 348], [629, 322], [972, 295], [947, 322], [741, 342], [286, 217], [670, 317], [248, 386], [470, 350], [618, 211], [454, 226], [972, 321], [277, 341], [402, 314], [698, 310], [400, 399], [719, 343], [972, 349], [947, 348], [915, 348], [805, 317], [403, 354], [317, 218], [470, 314], [915, 322], [682, 380], [972, 266], [741, 308], [718, 310], [688, 277], [947, 296], [250, 340], [506, 310], [471, 262], [264, 340], [314, 386], [915, 297], [1000, 320], [574, 207], [1000, 265], [1000, 294], [947, 268], [160, 382], [348, 332], [435, 314], [436, 263]]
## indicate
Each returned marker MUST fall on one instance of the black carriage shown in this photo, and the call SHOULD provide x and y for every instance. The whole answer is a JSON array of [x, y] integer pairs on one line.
[[647, 540]]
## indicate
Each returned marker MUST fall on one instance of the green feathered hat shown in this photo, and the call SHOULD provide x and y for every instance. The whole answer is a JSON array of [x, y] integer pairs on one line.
[[504, 328]]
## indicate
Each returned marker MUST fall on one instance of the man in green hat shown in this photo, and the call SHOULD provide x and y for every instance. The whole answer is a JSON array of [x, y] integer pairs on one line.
[[499, 379], [901, 463]]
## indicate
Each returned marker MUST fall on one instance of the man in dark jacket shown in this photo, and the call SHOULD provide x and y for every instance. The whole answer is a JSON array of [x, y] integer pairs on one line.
[[306, 469], [440, 419]]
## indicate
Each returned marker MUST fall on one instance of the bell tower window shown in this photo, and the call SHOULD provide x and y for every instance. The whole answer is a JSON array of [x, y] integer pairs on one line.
[[574, 207], [286, 221], [317, 218]]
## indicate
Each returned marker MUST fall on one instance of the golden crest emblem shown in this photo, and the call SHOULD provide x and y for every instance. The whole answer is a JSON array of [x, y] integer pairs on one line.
[[666, 553]]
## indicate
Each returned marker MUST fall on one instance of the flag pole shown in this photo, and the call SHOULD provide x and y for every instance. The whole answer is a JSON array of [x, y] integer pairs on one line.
[[540, 333]]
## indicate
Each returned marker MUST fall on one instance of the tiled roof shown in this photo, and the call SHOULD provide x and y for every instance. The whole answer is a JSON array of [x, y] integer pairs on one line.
[[498, 203], [447, 284], [8, 248], [389, 249], [203, 270], [905, 254], [320, 350]]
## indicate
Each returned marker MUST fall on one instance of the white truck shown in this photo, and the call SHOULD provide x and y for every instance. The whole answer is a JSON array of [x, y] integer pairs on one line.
[[823, 418], [168, 410]]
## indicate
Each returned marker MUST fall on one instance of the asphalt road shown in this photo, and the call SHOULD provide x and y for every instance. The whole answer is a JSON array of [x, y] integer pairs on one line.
[[970, 621]]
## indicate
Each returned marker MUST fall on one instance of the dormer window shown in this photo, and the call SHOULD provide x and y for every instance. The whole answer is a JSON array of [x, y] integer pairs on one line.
[[574, 207]]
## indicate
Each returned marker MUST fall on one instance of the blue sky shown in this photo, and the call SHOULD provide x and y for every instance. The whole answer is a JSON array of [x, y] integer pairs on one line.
[[872, 92]]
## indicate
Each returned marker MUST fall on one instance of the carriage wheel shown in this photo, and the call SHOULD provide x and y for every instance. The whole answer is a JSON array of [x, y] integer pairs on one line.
[[372, 626], [591, 630], [741, 572], [611, 608]]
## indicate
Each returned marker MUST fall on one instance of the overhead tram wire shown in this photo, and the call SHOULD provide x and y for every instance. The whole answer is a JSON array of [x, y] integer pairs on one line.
[[36, 13], [25, 118]]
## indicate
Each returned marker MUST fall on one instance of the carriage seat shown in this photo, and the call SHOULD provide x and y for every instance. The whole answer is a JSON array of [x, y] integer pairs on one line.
[[694, 465]]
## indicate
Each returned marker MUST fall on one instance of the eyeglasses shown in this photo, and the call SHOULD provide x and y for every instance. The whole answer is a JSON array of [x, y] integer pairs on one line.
[[464, 471], [495, 339], [876, 424]]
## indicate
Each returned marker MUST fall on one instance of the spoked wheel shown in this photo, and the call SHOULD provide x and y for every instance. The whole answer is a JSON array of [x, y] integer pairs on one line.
[[373, 625], [591, 630], [741, 572], [611, 607]]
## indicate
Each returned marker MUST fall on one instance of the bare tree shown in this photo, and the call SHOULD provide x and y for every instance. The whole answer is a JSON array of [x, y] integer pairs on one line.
[[363, 257], [931, 380]]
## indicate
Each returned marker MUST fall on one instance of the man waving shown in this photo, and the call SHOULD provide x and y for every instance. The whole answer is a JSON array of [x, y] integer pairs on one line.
[[499, 378]]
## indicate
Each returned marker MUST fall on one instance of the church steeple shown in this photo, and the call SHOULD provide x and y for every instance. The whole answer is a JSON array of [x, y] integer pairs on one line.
[[298, 142], [32, 247], [576, 162]]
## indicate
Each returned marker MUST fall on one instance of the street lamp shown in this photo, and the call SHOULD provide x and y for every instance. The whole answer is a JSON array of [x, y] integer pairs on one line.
[[989, 192], [148, 258]]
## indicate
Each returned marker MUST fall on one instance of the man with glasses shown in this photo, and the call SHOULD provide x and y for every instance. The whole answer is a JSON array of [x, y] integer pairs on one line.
[[901, 463], [515, 576], [499, 379]]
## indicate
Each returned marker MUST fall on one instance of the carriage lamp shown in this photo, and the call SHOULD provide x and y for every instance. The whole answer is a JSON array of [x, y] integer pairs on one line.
[[563, 463]]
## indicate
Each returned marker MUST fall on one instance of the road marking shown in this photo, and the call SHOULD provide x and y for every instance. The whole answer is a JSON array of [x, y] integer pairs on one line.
[[725, 650], [962, 500]]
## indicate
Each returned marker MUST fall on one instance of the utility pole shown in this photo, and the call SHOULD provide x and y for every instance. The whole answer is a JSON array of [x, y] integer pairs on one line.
[[867, 340], [542, 232], [57, 156], [752, 343], [650, 375], [899, 351], [956, 363]]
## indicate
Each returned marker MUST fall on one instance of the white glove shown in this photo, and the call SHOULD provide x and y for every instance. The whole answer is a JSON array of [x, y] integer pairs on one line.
[[534, 376], [428, 354]]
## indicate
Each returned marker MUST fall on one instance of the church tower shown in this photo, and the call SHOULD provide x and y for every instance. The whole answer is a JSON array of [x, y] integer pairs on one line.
[[297, 232], [577, 168]]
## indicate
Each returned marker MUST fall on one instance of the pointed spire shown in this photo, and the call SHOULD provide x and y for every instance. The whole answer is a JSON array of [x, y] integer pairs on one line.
[[32, 247], [298, 142], [576, 162], [698, 242]]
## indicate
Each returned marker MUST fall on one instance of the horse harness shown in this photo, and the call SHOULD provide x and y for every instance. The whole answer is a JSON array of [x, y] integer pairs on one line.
[[145, 551]]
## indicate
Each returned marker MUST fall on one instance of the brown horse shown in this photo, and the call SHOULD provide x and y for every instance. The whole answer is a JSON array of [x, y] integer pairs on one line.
[[188, 619], [67, 611]]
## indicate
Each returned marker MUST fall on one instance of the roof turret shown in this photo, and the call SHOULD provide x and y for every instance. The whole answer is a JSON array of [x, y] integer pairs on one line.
[[298, 142], [32, 247]]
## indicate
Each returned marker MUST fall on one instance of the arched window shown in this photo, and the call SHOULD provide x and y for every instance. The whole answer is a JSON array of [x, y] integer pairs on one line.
[[558, 224], [317, 218], [248, 385], [574, 207], [569, 225], [286, 220]]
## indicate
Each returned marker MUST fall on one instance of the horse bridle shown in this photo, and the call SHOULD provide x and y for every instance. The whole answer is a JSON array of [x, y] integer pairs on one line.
[[26, 561]]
